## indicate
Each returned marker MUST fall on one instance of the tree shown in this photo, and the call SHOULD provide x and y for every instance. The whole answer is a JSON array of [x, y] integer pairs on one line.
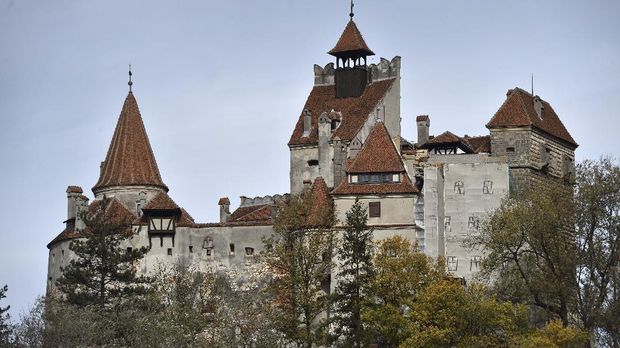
[[447, 314], [5, 325], [104, 270], [401, 273], [597, 227], [356, 273], [530, 250], [299, 254]]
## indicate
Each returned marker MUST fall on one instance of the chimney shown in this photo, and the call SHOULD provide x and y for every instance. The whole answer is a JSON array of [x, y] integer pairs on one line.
[[224, 204], [424, 123], [307, 123], [81, 205], [72, 193]]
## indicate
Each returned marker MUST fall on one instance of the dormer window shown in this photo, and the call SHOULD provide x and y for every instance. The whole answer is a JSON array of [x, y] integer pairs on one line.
[[375, 178]]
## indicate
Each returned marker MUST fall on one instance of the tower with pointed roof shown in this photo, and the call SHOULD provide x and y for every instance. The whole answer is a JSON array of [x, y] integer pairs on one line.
[[347, 99]]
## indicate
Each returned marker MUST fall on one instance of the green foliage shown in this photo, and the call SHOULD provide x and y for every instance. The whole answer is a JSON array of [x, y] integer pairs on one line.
[[300, 257], [401, 273], [446, 314], [355, 275], [103, 272], [531, 250], [597, 227]]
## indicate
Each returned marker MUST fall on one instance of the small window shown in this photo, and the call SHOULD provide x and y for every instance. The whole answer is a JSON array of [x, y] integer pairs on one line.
[[231, 249], [473, 223], [191, 248], [249, 251], [453, 263], [313, 163], [207, 244], [129, 249], [446, 224], [487, 187], [209, 252], [62, 252], [374, 209], [459, 188], [475, 262], [510, 149], [139, 209], [169, 251]]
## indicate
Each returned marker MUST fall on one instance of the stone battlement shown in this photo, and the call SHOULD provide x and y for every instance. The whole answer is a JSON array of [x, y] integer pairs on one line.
[[275, 199], [385, 69]]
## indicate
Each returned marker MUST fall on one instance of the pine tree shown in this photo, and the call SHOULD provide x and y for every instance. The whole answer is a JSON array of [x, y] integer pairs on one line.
[[356, 274], [104, 270], [5, 326]]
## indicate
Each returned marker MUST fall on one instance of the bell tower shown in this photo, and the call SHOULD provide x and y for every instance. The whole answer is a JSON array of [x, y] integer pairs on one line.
[[352, 74]]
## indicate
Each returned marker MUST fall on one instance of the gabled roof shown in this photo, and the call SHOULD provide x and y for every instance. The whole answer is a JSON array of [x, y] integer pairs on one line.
[[130, 160], [480, 144], [351, 43], [378, 154], [403, 187], [161, 202], [518, 111], [354, 110]]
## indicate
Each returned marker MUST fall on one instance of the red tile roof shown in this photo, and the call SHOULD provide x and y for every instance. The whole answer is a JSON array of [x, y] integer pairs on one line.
[[421, 118], [251, 214], [66, 234], [130, 160], [403, 187], [351, 41], [321, 203], [161, 202], [518, 111], [355, 111], [481, 144], [378, 154]]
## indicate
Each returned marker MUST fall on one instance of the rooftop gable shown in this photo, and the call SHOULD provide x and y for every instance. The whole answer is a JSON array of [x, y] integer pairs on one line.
[[378, 154], [518, 111]]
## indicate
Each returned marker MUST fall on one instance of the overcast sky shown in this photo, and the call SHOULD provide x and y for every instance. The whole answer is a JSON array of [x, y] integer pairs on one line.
[[220, 85]]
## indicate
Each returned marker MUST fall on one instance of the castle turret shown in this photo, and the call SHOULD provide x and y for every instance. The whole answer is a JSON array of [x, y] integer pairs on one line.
[[351, 52], [224, 204]]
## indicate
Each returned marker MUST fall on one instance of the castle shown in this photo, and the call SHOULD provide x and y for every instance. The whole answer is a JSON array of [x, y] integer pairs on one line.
[[346, 145]]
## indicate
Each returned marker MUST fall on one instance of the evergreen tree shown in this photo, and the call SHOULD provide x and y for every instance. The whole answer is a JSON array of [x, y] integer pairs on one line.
[[104, 270], [354, 278], [5, 326]]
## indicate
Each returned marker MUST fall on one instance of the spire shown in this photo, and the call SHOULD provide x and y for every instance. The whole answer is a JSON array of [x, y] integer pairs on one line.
[[351, 43], [130, 160]]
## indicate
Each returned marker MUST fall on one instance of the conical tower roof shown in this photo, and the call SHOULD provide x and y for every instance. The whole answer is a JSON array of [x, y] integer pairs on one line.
[[351, 43], [130, 160]]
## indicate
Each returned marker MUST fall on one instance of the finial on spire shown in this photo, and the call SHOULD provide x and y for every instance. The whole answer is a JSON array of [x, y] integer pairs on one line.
[[130, 83], [351, 13]]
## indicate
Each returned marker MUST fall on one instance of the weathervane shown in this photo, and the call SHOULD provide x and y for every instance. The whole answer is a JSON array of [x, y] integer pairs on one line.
[[351, 14], [130, 83]]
